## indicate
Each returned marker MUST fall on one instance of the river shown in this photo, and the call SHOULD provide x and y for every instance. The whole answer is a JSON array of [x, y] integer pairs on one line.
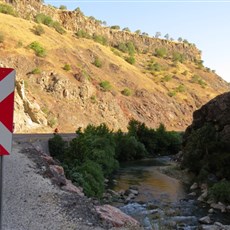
[[162, 202]]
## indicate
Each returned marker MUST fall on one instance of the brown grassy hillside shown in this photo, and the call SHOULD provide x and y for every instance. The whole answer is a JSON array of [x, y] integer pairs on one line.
[[52, 96]]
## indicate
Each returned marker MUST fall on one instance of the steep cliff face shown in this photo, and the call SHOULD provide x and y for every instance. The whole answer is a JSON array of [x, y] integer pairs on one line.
[[206, 148], [75, 20], [217, 113]]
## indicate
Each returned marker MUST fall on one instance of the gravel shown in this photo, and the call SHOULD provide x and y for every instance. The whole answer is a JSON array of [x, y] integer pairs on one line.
[[32, 202]]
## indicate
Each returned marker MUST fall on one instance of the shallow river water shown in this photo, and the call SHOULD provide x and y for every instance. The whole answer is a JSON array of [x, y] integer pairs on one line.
[[162, 202]]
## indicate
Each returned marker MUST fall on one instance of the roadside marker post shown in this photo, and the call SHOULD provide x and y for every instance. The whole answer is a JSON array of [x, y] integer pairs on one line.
[[7, 85]]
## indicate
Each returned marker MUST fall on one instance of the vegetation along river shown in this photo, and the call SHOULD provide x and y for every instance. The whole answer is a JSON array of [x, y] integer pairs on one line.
[[162, 202]]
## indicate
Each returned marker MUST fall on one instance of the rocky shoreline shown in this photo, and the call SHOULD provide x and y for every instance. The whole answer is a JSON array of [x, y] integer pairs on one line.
[[128, 213], [185, 214], [87, 210]]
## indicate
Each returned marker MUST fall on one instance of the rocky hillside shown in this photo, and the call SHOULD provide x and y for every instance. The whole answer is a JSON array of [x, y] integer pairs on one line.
[[88, 73], [206, 140]]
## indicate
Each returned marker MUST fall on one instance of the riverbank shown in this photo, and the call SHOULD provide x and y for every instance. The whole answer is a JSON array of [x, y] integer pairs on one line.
[[38, 196], [144, 190]]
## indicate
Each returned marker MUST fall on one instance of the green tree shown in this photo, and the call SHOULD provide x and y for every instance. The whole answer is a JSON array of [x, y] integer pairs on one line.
[[158, 34]]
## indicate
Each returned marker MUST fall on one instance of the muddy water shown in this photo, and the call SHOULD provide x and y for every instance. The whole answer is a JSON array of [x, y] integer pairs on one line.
[[160, 202], [150, 182]]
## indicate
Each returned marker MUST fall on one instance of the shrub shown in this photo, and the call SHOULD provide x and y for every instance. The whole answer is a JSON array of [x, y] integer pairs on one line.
[[127, 48], [185, 73], [197, 79], [126, 92], [166, 78], [62, 7], [172, 93], [38, 49], [7, 9], [178, 57], [131, 60], [67, 67], [38, 30], [180, 88], [105, 85], [154, 66], [19, 44], [129, 148], [161, 52], [36, 71], [100, 39], [126, 29], [92, 179], [97, 62], [44, 19], [115, 27], [57, 147], [82, 34], [48, 21], [57, 26], [221, 191], [2, 37]]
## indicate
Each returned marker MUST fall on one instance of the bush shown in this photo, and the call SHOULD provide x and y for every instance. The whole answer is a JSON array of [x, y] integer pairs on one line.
[[38, 49], [166, 78], [57, 147], [36, 71], [38, 30], [115, 27], [161, 52], [48, 21], [131, 60], [57, 26], [2, 37], [7, 9], [172, 93], [82, 34], [197, 79], [180, 88], [92, 179], [154, 66], [127, 48], [105, 85], [178, 57], [62, 7], [100, 39], [67, 67], [221, 192], [126, 92], [44, 19], [129, 148], [97, 62]]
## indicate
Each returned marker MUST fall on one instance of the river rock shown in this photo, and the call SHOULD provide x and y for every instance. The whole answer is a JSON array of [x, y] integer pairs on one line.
[[192, 194], [219, 206], [194, 186], [115, 217], [205, 220], [215, 226], [211, 211]]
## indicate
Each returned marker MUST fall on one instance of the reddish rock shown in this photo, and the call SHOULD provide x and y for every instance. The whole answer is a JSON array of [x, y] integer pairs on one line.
[[58, 175], [69, 187], [49, 160], [115, 217]]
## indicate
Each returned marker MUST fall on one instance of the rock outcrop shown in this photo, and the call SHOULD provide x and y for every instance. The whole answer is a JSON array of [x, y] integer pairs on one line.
[[217, 113]]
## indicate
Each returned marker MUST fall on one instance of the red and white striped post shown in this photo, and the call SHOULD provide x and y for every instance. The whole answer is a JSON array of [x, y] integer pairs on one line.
[[7, 85]]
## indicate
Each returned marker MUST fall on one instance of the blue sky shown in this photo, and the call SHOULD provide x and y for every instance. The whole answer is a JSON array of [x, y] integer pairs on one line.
[[205, 23]]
